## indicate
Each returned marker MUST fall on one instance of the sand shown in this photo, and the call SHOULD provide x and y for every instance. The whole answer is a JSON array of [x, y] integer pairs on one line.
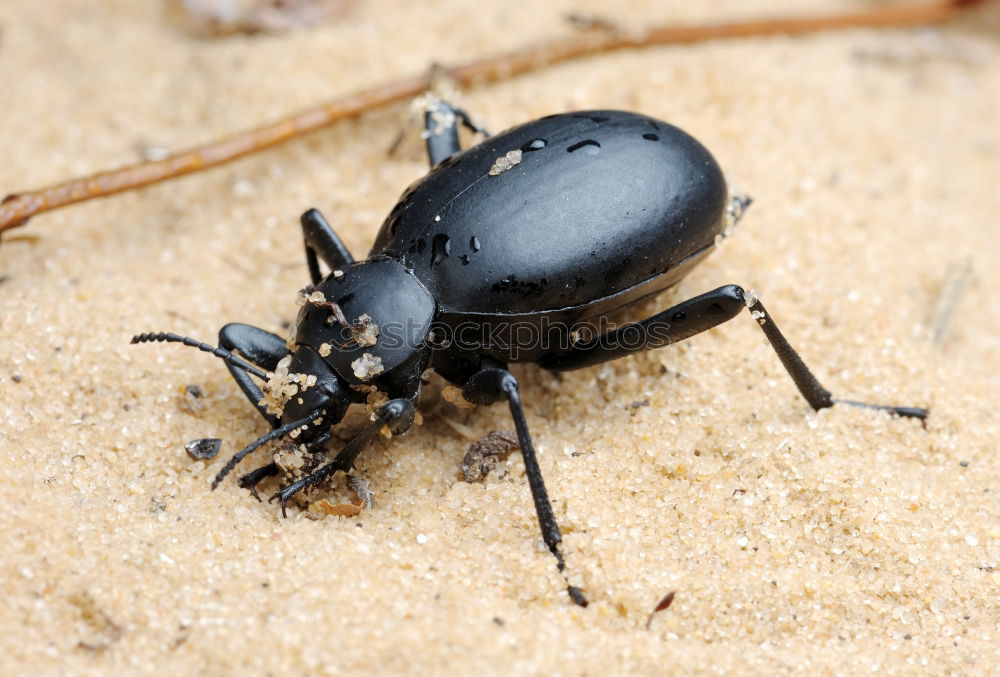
[[838, 542]]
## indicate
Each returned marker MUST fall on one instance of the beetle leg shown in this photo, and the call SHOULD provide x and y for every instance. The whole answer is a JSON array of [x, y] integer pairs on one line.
[[694, 316], [488, 386], [441, 129], [397, 414], [254, 477], [260, 347], [322, 243]]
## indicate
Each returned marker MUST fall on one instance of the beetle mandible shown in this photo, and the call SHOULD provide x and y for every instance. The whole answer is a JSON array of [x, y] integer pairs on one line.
[[505, 252]]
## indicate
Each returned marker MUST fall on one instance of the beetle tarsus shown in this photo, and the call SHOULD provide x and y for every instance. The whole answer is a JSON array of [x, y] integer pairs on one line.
[[283, 497], [576, 594], [903, 412], [254, 477]]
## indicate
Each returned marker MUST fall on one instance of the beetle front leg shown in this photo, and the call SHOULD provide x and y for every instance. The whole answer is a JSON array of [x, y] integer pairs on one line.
[[695, 316], [397, 414], [260, 347], [250, 480], [322, 244], [488, 386]]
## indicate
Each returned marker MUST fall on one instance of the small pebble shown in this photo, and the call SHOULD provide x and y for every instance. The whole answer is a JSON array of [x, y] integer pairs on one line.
[[203, 449]]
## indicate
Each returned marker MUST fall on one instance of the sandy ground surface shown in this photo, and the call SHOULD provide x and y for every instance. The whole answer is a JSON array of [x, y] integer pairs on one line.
[[830, 543]]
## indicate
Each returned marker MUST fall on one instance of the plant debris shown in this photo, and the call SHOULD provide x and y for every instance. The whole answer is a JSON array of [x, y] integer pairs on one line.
[[484, 455], [362, 489], [663, 605], [108, 632], [324, 507], [191, 400]]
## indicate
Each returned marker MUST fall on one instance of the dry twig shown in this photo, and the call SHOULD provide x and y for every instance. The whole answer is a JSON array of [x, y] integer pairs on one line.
[[17, 208]]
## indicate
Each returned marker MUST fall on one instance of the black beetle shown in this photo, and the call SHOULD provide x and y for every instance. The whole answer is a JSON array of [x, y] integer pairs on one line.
[[515, 250]]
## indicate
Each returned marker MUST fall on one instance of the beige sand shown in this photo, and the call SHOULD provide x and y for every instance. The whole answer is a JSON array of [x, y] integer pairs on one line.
[[831, 543]]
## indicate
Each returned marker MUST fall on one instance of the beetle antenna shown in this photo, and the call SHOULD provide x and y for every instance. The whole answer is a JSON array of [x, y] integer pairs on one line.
[[263, 439], [222, 353]]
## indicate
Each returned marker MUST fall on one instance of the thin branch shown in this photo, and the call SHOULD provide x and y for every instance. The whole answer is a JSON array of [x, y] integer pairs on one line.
[[16, 209], [957, 279]]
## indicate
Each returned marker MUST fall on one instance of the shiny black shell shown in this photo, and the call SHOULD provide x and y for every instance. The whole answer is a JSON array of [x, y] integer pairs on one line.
[[604, 207]]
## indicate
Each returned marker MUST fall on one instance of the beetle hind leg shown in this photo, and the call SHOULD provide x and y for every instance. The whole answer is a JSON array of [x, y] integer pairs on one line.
[[695, 316], [817, 396]]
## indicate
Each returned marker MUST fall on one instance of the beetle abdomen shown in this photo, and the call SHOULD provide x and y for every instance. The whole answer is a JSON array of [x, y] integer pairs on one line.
[[558, 213]]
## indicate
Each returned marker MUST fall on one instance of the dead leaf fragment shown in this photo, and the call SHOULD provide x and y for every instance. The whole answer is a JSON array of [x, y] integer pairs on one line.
[[484, 455], [324, 507]]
